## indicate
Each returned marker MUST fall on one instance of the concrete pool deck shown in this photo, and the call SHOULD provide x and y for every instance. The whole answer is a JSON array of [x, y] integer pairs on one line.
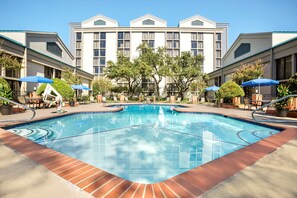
[[280, 164]]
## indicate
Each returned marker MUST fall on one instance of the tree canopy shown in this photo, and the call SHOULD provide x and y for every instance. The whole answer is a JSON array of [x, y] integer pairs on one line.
[[70, 77], [154, 64], [248, 72], [124, 69], [184, 70]]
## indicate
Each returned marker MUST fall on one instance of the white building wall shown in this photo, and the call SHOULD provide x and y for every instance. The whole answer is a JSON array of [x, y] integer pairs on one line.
[[208, 46], [278, 38], [159, 39], [17, 36], [87, 52], [111, 47], [33, 69], [185, 42], [136, 40]]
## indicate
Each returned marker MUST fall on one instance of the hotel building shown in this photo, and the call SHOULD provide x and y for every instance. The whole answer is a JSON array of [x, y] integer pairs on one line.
[[97, 40], [276, 50], [40, 53]]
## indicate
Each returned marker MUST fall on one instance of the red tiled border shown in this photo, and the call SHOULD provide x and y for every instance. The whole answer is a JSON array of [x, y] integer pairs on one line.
[[188, 184]]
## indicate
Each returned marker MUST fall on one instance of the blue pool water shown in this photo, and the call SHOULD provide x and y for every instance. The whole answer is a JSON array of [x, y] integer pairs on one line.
[[144, 143]]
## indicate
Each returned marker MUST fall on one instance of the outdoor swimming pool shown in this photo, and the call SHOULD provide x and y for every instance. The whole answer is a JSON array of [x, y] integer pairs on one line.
[[144, 143]]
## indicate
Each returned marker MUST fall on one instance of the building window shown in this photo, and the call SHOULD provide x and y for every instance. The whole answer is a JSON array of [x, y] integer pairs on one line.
[[53, 48], [124, 43], [78, 53], [78, 36], [102, 35], [244, 48], [218, 63], [96, 52], [218, 36], [78, 62], [197, 23], [196, 43], [78, 45], [218, 54], [58, 74], [99, 52], [218, 81], [284, 68], [48, 72], [148, 22], [149, 38], [99, 22], [218, 45]]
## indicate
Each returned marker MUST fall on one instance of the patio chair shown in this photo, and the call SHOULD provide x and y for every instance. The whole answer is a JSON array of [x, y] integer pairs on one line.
[[247, 104], [24, 100]]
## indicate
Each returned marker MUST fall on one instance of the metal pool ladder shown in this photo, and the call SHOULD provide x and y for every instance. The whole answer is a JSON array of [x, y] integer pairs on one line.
[[24, 106], [273, 102]]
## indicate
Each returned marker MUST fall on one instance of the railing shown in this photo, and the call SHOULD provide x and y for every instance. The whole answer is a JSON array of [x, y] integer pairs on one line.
[[24, 106], [273, 102]]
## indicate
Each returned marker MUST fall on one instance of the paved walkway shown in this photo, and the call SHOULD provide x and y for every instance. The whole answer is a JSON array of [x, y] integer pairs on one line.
[[274, 175]]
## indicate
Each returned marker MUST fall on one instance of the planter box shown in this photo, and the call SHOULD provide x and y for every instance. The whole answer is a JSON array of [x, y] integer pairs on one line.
[[292, 114], [227, 106]]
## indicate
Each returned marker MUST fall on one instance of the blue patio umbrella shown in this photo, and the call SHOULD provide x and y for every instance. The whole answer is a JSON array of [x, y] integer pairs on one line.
[[212, 88], [36, 79], [81, 87], [260, 82]]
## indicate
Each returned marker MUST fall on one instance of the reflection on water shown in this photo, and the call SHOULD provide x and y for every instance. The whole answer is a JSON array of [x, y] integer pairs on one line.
[[145, 144]]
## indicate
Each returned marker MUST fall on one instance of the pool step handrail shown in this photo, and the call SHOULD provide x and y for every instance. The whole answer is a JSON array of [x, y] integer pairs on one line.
[[24, 106], [273, 102]]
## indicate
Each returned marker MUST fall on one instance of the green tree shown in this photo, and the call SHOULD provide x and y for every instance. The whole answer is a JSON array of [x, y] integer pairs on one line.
[[9, 62], [154, 64], [248, 72], [70, 77], [199, 84], [229, 90], [184, 70], [101, 86], [126, 70]]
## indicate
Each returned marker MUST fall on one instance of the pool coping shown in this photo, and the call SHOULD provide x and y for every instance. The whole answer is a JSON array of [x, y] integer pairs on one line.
[[191, 183]]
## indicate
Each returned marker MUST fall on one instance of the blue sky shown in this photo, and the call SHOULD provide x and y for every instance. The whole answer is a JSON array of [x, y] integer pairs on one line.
[[243, 16]]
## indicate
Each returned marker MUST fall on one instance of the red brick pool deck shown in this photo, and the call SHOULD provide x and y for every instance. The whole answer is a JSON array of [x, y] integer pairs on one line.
[[188, 184]]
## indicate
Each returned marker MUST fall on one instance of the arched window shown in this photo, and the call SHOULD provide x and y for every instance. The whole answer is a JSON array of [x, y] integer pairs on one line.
[[148, 22], [99, 22], [197, 23]]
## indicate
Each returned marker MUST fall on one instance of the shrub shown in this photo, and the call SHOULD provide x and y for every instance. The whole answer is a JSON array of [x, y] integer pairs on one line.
[[230, 90], [61, 86], [5, 91]]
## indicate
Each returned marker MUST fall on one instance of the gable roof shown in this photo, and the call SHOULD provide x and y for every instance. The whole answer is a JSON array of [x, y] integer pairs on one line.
[[148, 16], [100, 16], [197, 17]]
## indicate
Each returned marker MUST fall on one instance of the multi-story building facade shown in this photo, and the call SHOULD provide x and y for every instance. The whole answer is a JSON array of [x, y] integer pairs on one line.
[[276, 50], [98, 39], [40, 54]]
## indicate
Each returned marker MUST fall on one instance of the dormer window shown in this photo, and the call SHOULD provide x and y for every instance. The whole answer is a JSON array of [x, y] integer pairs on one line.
[[99, 22], [197, 23], [52, 47], [148, 22], [244, 48]]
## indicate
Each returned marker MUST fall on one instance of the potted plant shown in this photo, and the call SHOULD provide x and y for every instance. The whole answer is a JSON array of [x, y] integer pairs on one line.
[[282, 106], [5, 92]]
